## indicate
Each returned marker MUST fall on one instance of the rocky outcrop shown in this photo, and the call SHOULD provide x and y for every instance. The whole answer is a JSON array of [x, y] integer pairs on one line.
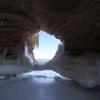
[[75, 22], [84, 69], [13, 61]]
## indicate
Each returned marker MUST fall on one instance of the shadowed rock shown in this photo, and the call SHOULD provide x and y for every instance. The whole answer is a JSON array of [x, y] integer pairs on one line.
[[75, 22]]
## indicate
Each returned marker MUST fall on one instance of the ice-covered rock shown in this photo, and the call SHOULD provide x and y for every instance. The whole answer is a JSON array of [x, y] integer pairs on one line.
[[84, 69]]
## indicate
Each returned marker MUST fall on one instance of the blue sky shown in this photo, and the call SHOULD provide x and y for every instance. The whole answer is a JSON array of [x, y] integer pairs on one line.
[[47, 46]]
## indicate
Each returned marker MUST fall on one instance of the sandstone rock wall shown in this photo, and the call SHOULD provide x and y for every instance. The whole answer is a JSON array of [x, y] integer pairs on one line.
[[16, 20], [84, 69], [76, 22]]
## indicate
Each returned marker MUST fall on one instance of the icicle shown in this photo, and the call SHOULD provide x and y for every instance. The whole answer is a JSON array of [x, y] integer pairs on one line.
[[2, 23], [31, 42], [35, 39], [23, 4], [2, 55]]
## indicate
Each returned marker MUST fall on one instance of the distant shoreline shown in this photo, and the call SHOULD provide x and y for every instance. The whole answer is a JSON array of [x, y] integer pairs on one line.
[[43, 59]]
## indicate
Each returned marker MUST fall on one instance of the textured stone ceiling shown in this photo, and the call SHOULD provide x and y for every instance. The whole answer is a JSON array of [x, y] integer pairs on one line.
[[76, 22], [15, 21]]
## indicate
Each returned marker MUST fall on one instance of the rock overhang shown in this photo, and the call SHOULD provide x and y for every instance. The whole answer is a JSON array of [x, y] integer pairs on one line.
[[16, 21], [74, 22]]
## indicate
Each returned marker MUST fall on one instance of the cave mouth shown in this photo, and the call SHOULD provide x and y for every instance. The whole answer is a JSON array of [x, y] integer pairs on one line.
[[48, 45]]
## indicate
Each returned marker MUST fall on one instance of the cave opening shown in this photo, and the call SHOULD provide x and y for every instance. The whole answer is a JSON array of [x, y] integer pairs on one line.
[[48, 45]]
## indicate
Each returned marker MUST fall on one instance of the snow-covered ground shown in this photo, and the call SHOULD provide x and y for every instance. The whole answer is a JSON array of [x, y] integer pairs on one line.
[[39, 85], [10, 67], [42, 88]]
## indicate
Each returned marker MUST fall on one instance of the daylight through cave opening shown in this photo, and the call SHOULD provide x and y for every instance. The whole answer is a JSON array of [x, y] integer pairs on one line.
[[48, 45]]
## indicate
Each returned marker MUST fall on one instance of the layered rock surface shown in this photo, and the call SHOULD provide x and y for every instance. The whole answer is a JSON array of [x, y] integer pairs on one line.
[[16, 21], [75, 22], [84, 69]]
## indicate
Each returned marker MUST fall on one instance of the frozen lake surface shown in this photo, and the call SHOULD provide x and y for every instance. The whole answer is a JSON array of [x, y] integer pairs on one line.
[[43, 85], [30, 87]]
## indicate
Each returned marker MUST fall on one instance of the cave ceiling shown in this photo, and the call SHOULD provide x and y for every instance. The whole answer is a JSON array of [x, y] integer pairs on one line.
[[76, 22]]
